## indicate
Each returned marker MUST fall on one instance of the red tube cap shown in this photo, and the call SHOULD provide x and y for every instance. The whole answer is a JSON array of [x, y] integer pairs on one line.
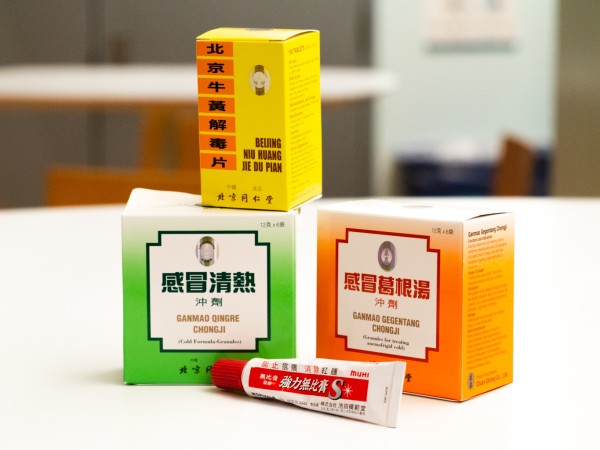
[[227, 373]]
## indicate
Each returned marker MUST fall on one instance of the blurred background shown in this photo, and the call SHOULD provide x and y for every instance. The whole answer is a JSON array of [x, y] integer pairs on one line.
[[483, 88]]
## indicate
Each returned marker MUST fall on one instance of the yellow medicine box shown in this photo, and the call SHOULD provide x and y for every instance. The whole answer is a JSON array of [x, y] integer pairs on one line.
[[259, 117], [431, 286]]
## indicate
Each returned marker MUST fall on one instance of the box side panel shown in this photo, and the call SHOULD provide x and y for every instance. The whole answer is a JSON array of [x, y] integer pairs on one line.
[[134, 301], [327, 233], [304, 141], [488, 313]]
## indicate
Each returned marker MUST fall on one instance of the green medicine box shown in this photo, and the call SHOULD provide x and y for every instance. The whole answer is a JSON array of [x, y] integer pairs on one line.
[[203, 283]]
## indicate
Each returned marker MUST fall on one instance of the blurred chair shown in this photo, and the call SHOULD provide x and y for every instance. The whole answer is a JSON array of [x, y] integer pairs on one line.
[[169, 138], [85, 185], [514, 173], [73, 185]]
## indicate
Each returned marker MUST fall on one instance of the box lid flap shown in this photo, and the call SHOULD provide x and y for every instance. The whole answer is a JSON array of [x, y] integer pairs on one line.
[[404, 209], [252, 34]]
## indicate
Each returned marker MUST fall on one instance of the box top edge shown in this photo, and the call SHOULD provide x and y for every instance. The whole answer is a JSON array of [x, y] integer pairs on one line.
[[253, 34], [144, 202], [401, 208]]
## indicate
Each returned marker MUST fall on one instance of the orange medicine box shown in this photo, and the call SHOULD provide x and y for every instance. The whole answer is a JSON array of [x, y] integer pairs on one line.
[[432, 286]]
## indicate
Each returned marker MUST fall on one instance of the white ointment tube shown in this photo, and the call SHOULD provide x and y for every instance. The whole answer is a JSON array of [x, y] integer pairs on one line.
[[364, 391]]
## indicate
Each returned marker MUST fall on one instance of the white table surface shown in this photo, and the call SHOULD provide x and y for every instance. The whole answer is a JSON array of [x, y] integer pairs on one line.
[[137, 85], [61, 349]]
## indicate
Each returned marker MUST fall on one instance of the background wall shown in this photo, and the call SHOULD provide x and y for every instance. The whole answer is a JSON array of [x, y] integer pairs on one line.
[[458, 101], [468, 97], [577, 156], [161, 31]]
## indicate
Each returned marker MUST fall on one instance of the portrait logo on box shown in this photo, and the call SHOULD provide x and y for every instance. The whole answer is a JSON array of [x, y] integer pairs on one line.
[[260, 80], [206, 251], [387, 256]]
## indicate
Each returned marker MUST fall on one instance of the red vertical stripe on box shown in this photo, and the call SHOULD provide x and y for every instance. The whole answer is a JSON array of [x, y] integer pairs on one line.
[[216, 105], [218, 161], [215, 86], [217, 142], [215, 67], [216, 124], [215, 49]]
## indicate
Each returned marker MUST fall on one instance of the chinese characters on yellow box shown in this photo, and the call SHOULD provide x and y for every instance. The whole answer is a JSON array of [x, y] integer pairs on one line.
[[259, 117]]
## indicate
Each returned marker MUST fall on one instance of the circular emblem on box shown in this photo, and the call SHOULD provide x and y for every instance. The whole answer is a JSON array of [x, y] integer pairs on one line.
[[387, 256], [471, 380], [206, 251], [260, 80]]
